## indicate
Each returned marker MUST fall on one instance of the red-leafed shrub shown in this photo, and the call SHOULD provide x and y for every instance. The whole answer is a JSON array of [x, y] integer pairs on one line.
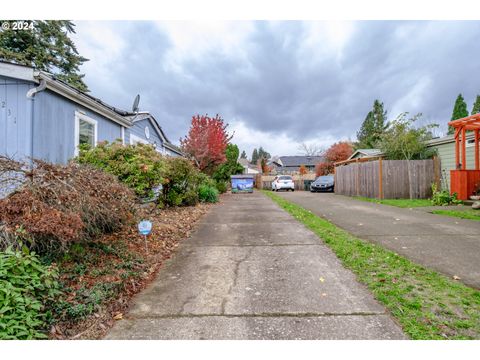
[[337, 152], [303, 170], [206, 142], [55, 205]]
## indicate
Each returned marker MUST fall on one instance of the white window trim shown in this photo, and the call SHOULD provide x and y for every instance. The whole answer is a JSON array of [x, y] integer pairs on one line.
[[138, 139], [470, 143], [80, 116]]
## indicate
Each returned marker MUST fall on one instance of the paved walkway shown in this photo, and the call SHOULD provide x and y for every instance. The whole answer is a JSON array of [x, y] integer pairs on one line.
[[447, 244], [251, 271]]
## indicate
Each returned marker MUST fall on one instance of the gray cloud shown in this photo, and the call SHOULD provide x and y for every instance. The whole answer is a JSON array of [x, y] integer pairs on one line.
[[280, 86]]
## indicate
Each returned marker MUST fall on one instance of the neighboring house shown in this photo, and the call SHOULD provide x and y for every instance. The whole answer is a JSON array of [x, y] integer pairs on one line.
[[365, 153], [248, 168], [291, 164], [45, 118], [445, 147]]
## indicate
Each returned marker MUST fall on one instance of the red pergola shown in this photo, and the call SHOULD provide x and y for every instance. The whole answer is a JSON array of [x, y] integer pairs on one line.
[[464, 181]]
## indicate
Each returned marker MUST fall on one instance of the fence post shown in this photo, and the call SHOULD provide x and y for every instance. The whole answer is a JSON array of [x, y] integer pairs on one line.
[[380, 179], [357, 177], [436, 171]]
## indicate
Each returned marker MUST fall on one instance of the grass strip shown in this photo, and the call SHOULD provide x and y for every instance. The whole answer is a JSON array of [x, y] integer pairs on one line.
[[466, 214], [428, 305], [403, 203]]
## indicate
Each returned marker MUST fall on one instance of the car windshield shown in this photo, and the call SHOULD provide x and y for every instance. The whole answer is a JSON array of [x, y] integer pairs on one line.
[[325, 179], [285, 178]]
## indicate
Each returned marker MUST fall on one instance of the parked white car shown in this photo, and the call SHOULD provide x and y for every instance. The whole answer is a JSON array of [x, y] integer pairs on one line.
[[283, 182]]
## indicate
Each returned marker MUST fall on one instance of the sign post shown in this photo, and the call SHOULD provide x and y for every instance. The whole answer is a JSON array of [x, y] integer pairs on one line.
[[144, 228]]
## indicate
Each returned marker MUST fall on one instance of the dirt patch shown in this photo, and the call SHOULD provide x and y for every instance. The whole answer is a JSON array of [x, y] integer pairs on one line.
[[100, 278]]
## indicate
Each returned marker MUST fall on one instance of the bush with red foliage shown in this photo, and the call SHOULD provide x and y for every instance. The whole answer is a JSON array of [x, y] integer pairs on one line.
[[303, 170], [337, 152], [206, 142], [54, 205]]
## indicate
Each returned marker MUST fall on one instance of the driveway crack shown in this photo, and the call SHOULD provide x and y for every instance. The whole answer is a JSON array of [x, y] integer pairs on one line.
[[236, 270]]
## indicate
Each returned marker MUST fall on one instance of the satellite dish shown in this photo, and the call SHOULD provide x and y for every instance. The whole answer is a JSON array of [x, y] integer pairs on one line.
[[135, 103]]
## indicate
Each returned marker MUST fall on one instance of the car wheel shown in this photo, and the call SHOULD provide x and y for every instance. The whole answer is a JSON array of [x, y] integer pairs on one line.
[[293, 189]]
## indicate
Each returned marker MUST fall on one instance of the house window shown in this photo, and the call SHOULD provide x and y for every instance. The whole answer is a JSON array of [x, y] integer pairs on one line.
[[85, 131], [470, 143]]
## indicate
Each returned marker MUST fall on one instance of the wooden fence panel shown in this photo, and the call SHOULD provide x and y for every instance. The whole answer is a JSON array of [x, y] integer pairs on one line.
[[399, 179]]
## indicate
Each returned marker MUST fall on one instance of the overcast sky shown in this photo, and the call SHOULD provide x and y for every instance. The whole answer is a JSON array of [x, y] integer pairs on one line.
[[282, 83]]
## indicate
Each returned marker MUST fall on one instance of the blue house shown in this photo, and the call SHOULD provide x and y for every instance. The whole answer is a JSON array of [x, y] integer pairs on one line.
[[43, 117]]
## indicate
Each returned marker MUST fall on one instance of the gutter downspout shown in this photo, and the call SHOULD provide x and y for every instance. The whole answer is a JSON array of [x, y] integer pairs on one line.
[[31, 96]]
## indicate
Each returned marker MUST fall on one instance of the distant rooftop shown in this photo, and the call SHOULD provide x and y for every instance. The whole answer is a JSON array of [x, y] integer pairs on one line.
[[289, 161]]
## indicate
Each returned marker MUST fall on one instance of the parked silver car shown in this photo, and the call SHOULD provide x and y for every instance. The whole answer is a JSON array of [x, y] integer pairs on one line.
[[283, 182]]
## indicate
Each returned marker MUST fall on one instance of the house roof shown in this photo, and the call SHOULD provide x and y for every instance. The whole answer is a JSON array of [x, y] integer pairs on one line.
[[366, 153], [446, 139], [126, 118], [246, 164], [289, 161], [146, 115], [60, 87]]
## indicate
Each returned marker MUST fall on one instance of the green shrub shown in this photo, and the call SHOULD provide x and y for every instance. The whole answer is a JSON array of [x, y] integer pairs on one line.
[[221, 186], [190, 198], [139, 166], [26, 288], [207, 193], [181, 180], [443, 197]]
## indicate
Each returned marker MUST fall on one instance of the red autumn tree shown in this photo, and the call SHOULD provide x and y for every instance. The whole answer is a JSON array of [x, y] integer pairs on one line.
[[206, 142], [264, 166], [303, 170], [337, 152]]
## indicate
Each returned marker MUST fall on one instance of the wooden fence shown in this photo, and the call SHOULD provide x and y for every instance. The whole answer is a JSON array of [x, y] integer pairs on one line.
[[388, 179]]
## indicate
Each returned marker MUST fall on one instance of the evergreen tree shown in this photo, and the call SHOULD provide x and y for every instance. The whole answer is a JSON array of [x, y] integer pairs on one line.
[[262, 154], [476, 106], [47, 47], [373, 127], [459, 111], [231, 166], [255, 156], [244, 155]]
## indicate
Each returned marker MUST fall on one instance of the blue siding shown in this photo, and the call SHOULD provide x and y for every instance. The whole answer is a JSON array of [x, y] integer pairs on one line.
[[54, 127], [14, 118], [138, 129]]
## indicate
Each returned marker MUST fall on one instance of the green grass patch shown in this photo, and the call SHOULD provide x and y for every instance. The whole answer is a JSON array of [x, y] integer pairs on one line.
[[462, 214], [428, 305], [403, 203]]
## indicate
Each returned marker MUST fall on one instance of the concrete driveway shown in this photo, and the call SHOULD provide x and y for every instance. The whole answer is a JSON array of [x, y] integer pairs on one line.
[[251, 271], [446, 244]]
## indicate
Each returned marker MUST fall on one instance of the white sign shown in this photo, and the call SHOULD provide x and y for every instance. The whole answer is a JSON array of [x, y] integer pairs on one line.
[[144, 227]]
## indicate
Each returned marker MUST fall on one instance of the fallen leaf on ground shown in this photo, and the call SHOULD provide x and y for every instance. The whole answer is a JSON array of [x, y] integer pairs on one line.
[[322, 279], [455, 277], [119, 316]]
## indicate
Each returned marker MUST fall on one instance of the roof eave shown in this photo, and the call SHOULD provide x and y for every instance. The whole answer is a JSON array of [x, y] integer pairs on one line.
[[173, 148], [78, 97]]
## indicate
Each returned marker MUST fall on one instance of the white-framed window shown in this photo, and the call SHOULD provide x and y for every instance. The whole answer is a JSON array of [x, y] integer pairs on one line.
[[86, 131], [470, 143], [134, 139]]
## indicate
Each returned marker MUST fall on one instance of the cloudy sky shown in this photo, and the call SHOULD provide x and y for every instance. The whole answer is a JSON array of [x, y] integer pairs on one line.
[[279, 84]]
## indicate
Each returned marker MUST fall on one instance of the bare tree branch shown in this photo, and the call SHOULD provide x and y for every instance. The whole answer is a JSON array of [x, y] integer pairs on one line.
[[310, 149]]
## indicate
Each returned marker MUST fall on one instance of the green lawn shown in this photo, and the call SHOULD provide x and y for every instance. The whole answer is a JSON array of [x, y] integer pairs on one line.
[[403, 203], [426, 304], [465, 214]]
